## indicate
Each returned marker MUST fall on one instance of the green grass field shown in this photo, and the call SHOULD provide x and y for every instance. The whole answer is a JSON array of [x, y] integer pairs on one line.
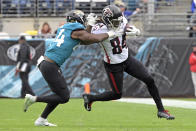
[[105, 116]]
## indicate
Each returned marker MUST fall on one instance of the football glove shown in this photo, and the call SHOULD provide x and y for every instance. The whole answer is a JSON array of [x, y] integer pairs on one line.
[[132, 31], [91, 19], [115, 33]]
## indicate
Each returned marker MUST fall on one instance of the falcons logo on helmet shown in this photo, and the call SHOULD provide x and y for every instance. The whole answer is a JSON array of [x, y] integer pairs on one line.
[[107, 12]]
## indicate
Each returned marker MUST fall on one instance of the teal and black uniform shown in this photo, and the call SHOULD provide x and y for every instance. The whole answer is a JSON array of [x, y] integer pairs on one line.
[[58, 51], [61, 48]]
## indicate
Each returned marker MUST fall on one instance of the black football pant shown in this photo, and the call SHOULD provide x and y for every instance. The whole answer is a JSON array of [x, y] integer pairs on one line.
[[26, 89], [134, 68], [53, 76]]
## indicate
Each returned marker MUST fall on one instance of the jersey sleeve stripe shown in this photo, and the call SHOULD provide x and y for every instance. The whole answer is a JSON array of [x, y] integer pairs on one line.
[[108, 59]]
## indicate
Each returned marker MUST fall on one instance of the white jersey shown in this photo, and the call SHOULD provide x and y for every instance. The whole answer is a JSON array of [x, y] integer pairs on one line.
[[115, 49]]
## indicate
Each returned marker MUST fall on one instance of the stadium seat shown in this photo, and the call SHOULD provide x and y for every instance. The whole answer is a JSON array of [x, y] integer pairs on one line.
[[22, 7], [94, 7], [5, 5], [45, 7], [27, 7], [62, 6]]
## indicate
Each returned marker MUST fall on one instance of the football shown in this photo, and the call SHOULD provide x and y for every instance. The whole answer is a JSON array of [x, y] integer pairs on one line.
[[131, 30]]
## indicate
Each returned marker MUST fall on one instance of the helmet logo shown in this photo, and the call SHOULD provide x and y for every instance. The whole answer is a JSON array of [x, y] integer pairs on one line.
[[79, 13], [107, 12]]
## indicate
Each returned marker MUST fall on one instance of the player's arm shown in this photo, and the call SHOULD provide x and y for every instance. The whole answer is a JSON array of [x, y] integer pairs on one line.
[[18, 64], [88, 38], [89, 28]]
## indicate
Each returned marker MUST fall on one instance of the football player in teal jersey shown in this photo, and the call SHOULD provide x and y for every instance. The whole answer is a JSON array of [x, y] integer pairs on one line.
[[68, 36]]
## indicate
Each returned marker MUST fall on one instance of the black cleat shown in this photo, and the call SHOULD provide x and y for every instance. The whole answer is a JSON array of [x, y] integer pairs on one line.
[[87, 103], [165, 114]]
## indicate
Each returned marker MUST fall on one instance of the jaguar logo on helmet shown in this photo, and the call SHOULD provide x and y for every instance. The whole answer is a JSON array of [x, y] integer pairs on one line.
[[79, 12], [76, 16], [12, 52]]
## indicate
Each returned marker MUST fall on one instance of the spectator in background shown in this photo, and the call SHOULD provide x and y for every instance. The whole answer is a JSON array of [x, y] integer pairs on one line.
[[124, 10], [143, 6], [192, 29], [24, 66], [192, 62], [191, 16], [193, 3], [45, 31]]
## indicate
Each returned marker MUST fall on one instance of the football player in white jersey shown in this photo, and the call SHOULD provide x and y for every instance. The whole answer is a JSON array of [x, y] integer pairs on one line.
[[118, 60]]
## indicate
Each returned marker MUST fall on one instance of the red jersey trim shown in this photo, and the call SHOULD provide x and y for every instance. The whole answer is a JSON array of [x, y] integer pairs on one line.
[[114, 83], [108, 59]]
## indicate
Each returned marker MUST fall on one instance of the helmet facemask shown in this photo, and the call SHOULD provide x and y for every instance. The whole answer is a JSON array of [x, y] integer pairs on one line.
[[112, 17], [82, 17], [114, 23], [76, 16]]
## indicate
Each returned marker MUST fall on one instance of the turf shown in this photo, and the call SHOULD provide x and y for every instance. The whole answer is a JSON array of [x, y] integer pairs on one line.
[[105, 116]]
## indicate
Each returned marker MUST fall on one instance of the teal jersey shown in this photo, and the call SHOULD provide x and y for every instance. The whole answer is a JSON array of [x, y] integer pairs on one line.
[[61, 48]]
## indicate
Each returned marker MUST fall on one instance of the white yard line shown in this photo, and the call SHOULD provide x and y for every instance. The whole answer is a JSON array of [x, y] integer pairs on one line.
[[166, 102]]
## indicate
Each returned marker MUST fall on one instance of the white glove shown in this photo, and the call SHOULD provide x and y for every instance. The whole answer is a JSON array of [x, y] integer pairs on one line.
[[132, 31], [91, 19], [115, 33], [111, 33]]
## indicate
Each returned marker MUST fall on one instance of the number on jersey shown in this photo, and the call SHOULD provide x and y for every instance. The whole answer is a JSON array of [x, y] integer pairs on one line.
[[116, 44], [60, 38]]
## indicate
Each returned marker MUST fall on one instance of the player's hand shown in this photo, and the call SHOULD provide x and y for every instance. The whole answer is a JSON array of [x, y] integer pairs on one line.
[[91, 19], [132, 31], [115, 33]]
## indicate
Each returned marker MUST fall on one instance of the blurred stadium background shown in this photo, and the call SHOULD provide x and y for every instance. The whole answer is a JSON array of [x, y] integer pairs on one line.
[[164, 46], [155, 18]]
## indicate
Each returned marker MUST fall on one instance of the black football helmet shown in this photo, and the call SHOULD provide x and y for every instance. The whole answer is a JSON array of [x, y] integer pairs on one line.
[[76, 16], [112, 16]]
